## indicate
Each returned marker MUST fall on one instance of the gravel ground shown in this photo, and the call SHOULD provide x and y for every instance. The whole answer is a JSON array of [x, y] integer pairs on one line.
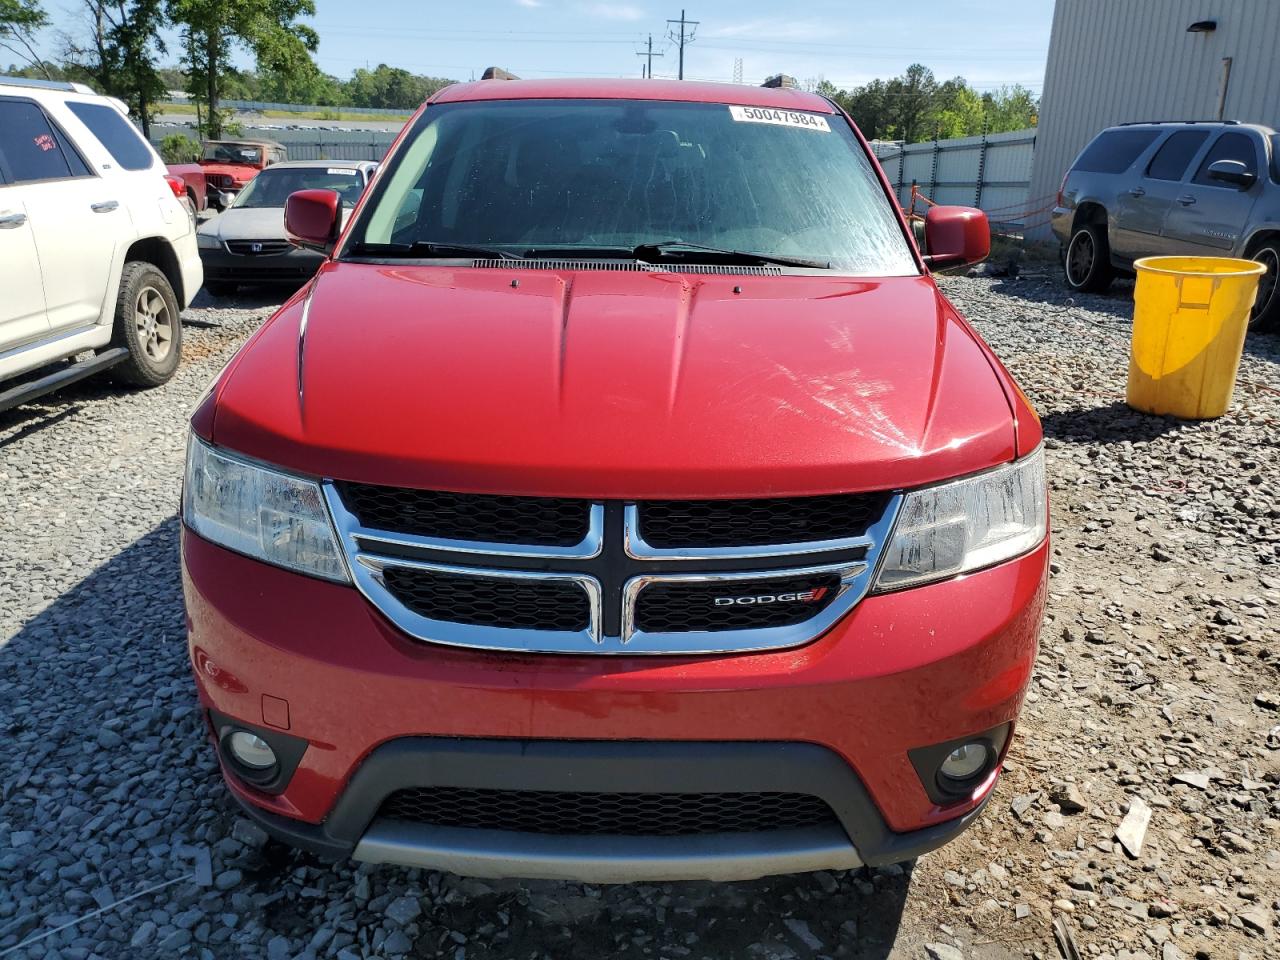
[[1156, 694]]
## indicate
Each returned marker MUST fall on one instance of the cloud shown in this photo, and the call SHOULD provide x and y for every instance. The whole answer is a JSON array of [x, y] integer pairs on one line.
[[528, 3], [612, 11]]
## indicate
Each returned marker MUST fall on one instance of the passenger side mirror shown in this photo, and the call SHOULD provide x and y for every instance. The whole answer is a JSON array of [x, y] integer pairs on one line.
[[955, 235], [313, 219], [1234, 172]]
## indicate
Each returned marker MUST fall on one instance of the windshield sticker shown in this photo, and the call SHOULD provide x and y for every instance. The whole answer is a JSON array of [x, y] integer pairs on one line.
[[335, 172], [781, 118]]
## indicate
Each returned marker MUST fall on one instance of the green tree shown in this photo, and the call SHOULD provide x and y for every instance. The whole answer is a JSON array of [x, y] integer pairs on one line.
[[1010, 108], [19, 21], [212, 29], [391, 88], [178, 148], [121, 57], [958, 110]]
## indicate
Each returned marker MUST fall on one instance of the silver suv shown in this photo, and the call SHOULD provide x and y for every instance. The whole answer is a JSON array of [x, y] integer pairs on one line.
[[1189, 188]]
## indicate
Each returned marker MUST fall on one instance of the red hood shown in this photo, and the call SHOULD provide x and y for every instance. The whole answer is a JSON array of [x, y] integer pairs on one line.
[[617, 385]]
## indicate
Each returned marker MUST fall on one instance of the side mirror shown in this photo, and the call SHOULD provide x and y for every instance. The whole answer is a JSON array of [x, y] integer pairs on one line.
[[1234, 172], [955, 235], [313, 219]]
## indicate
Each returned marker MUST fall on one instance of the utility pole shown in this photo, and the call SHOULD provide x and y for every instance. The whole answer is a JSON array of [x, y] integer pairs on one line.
[[737, 70], [650, 54], [681, 39]]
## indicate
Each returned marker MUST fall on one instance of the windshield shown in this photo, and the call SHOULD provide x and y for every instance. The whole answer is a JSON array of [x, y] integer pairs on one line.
[[272, 187], [597, 175], [232, 153]]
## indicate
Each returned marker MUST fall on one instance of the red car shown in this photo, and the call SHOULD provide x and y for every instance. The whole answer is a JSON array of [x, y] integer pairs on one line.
[[227, 165], [622, 500]]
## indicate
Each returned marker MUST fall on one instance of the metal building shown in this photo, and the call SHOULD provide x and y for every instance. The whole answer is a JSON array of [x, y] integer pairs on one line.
[[1112, 61]]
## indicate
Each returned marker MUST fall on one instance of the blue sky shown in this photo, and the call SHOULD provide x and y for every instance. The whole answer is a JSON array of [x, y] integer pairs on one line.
[[846, 42]]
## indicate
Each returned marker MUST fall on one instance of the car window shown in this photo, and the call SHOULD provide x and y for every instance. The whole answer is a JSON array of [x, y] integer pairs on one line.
[[221, 152], [614, 174], [272, 187], [1229, 146], [116, 133], [1113, 151], [34, 149], [1170, 161]]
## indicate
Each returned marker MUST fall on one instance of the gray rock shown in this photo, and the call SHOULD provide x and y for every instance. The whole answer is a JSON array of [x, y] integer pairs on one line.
[[403, 910], [1132, 831]]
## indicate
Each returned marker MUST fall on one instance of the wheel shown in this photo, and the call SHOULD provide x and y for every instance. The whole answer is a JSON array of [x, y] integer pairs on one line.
[[1087, 263], [147, 325], [1266, 308], [219, 288]]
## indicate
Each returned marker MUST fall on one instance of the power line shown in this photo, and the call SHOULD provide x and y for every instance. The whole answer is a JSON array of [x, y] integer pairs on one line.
[[648, 71], [682, 39]]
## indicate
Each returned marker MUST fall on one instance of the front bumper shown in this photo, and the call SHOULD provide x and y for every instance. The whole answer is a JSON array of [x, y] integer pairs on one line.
[[295, 265], [860, 837], [901, 671]]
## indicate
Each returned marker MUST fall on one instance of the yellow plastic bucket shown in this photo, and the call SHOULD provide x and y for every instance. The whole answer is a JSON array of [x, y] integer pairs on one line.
[[1190, 316]]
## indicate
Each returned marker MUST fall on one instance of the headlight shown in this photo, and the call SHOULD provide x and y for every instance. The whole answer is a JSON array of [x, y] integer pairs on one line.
[[260, 512], [966, 524], [207, 241]]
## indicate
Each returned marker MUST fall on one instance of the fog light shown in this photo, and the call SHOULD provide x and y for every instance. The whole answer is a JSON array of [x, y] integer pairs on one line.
[[965, 762], [251, 750]]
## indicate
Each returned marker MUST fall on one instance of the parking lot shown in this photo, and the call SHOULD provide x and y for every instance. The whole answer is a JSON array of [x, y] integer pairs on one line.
[[1157, 680]]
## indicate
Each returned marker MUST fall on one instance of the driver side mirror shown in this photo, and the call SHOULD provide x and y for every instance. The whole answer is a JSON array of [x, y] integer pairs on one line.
[[955, 235], [313, 219], [1234, 172]]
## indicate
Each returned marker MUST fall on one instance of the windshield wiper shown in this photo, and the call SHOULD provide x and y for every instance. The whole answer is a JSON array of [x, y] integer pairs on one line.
[[656, 251], [431, 248]]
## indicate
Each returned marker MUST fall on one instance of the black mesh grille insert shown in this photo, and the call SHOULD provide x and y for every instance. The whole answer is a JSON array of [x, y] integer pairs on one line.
[[740, 523], [490, 601], [744, 604], [541, 521], [615, 814]]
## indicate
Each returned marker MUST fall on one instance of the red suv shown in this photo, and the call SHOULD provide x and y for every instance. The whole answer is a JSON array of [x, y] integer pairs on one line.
[[622, 500]]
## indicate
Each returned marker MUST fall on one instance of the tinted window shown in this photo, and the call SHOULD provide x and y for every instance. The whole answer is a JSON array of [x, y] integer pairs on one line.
[[1113, 151], [1229, 146], [608, 175], [116, 133], [32, 148], [1170, 161]]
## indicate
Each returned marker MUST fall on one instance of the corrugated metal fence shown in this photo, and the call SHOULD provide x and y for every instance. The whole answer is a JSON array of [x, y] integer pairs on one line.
[[991, 172], [308, 144]]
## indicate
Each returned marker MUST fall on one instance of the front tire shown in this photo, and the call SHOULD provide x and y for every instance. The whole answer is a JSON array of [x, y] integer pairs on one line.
[[148, 326], [1087, 260], [1266, 308]]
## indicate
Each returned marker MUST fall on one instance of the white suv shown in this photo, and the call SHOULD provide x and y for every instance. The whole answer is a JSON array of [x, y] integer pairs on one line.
[[97, 254]]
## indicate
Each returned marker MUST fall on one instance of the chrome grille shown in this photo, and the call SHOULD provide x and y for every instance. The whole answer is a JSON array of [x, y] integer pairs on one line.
[[257, 248], [552, 575]]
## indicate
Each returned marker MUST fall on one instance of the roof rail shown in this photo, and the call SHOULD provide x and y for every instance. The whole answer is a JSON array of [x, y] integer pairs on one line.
[[45, 84], [1138, 123], [497, 73], [781, 81]]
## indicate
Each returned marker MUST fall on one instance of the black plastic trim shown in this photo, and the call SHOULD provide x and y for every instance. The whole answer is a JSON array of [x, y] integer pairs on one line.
[[947, 792], [609, 766], [288, 750]]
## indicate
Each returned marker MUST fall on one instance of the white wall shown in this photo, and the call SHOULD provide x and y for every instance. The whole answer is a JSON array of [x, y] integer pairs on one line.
[[1113, 61]]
